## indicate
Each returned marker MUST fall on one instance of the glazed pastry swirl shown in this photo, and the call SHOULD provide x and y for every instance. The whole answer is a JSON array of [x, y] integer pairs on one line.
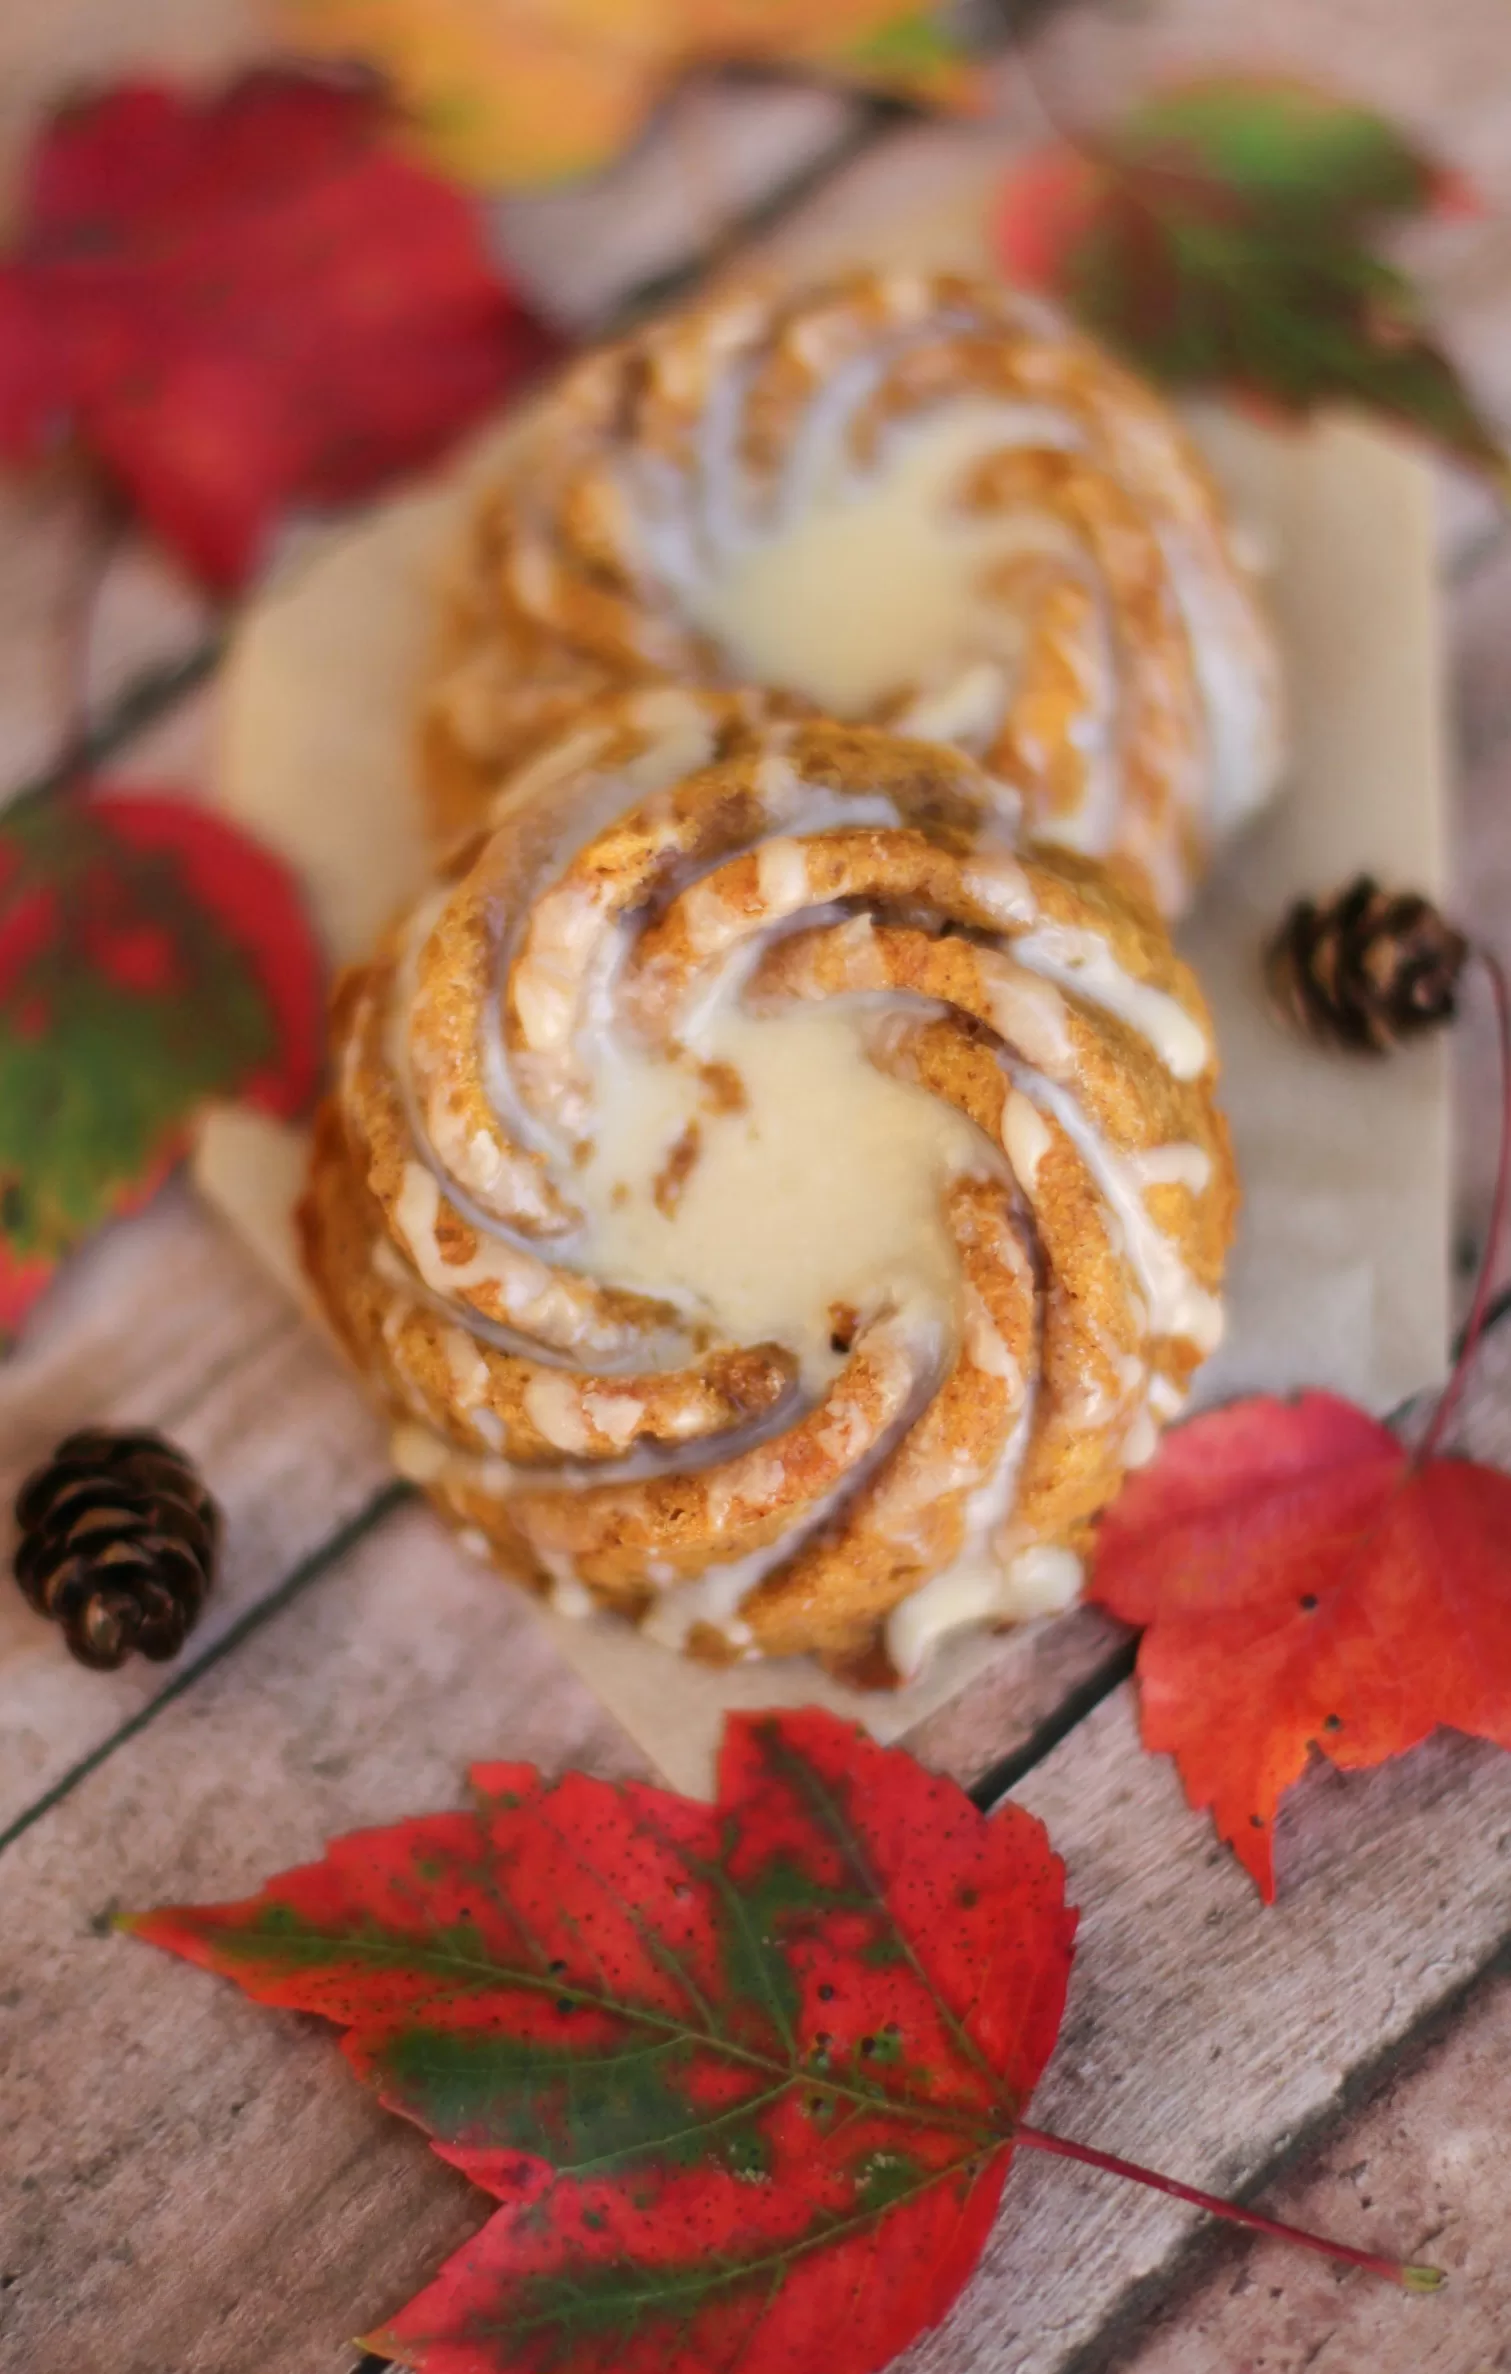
[[917, 501], [696, 957]]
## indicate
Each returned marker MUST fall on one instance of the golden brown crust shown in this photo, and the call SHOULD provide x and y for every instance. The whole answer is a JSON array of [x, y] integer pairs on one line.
[[596, 1442], [1123, 616]]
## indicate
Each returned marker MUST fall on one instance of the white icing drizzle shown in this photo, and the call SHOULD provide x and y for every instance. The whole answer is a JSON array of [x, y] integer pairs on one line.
[[419, 1454], [533, 1297], [553, 1405], [1040, 1581], [827, 1183], [1237, 678], [1141, 1440], [1178, 1306], [999, 884], [469, 1370], [818, 1190], [1030, 1015], [1172, 1166], [569, 1596], [782, 875], [968, 710], [1082, 962], [713, 1600], [863, 582], [1025, 1138], [1166, 1398]]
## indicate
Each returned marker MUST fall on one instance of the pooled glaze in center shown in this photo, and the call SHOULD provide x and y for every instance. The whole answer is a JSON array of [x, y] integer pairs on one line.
[[879, 580], [821, 1192]]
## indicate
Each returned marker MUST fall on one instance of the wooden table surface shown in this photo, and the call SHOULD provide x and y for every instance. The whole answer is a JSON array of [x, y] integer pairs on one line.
[[195, 2186]]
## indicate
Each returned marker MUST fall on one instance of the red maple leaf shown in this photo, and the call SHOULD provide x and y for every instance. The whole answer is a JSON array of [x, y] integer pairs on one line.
[[244, 303], [747, 2078], [1306, 1586], [1308, 1583], [151, 957]]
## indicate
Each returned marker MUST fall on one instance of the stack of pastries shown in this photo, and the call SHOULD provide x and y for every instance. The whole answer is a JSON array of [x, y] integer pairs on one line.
[[773, 1176]]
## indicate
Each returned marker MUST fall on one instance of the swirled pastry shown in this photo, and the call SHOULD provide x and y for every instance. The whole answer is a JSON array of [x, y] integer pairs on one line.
[[917, 501], [776, 1204]]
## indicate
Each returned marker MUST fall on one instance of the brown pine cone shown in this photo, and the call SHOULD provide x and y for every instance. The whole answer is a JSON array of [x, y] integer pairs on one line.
[[1366, 968], [118, 1539]]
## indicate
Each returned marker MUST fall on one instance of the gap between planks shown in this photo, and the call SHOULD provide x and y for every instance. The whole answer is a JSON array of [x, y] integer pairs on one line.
[[1477, 527], [1209, 2246], [271, 2206], [1033, 1752], [309, 1570]]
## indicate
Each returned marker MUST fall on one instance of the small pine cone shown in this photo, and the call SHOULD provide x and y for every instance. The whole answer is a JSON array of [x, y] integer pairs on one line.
[[118, 1539], [1365, 969]]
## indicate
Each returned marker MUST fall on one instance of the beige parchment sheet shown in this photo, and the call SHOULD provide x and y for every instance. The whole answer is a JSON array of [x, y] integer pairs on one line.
[[1341, 1271]]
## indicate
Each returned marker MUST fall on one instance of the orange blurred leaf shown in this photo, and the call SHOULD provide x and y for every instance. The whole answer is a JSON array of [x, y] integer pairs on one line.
[[539, 91]]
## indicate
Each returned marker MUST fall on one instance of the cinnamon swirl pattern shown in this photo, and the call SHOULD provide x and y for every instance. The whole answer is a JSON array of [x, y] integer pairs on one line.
[[774, 1203], [923, 502]]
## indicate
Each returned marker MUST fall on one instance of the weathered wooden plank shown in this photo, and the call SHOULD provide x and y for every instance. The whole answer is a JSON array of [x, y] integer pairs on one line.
[[1205, 2032], [720, 150], [43, 543], [204, 2187], [1426, 2166], [1042, 1678], [166, 1321], [1480, 623], [1481, 893], [220, 2202]]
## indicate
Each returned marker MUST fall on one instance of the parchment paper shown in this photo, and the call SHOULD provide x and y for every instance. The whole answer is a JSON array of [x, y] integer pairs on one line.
[[1341, 1271]]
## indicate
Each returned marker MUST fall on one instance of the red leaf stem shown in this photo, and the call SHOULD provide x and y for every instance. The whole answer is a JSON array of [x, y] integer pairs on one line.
[[1411, 2278], [1474, 1325]]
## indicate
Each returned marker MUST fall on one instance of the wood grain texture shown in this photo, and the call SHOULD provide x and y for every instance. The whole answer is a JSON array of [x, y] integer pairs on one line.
[[1208, 2034], [269, 2210], [44, 556], [202, 2188], [205, 2189], [165, 1321], [1425, 2166], [1043, 1677], [720, 151], [1205, 2032], [1481, 619]]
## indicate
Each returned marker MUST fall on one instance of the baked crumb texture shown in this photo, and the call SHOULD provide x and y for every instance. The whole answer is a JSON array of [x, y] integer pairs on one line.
[[1115, 665], [607, 1447]]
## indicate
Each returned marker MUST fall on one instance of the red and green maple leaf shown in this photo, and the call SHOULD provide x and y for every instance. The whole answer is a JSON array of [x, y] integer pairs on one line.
[[746, 2078], [244, 303], [151, 957], [1225, 234]]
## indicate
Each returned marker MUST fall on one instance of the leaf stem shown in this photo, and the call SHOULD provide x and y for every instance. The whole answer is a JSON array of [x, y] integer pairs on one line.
[[104, 527], [1410, 2278], [1474, 1325]]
